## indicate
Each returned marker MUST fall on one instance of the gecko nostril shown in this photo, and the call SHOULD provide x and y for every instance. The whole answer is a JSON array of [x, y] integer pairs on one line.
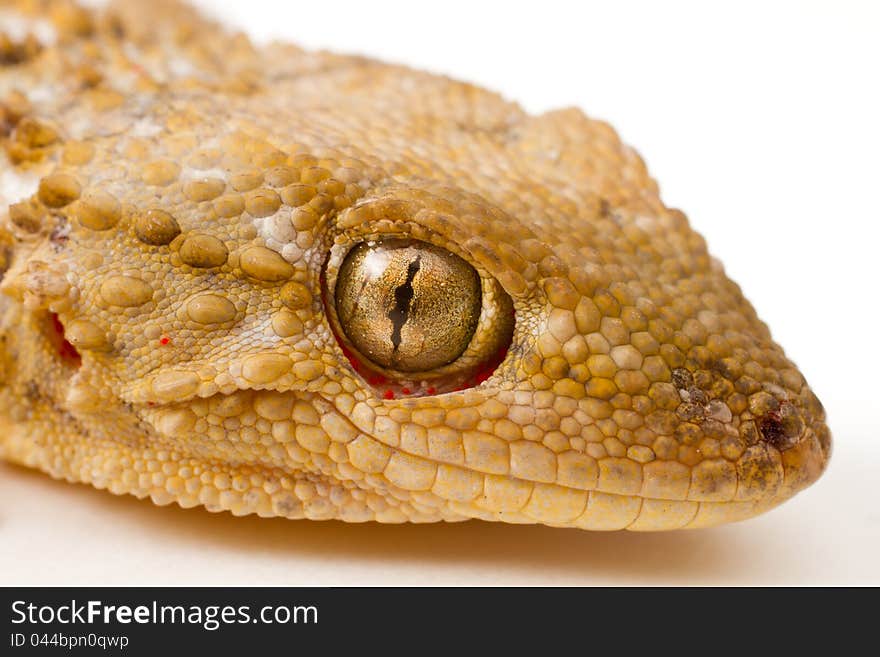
[[782, 428], [771, 429]]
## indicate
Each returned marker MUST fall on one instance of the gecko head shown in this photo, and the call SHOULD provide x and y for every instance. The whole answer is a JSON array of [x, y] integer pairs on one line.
[[420, 344], [463, 313]]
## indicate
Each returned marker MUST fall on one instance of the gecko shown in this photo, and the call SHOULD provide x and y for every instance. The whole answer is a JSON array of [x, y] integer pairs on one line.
[[265, 280]]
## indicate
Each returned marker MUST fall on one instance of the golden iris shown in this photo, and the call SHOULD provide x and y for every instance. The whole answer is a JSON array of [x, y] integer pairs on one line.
[[407, 305]]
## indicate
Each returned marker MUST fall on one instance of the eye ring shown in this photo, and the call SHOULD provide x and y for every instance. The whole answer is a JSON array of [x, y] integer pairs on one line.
[[411, 313]]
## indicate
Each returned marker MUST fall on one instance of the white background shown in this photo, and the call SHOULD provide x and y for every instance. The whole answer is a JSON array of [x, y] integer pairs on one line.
[[760, 121]]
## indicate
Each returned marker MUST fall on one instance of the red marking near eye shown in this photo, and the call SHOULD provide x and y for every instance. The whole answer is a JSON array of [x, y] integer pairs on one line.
[[406, 391], [486, 371], [389, 394], [355, 363], [482, 376], [431, 391], [66, 350], [164, 340]]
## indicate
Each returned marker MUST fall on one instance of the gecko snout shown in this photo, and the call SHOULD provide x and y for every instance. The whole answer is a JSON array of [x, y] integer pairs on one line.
[[798, 430]]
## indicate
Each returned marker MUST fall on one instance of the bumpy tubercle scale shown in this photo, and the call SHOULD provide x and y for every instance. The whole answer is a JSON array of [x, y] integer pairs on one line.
[[170, 195]]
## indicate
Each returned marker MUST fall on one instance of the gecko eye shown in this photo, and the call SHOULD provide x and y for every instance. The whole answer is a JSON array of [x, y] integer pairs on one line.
[[408, 305]]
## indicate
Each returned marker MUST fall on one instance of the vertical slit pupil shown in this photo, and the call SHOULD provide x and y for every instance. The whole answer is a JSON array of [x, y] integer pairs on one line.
[[402, 300]]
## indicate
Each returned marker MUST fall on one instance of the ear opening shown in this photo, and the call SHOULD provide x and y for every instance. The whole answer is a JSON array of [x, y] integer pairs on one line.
[[65, 350]]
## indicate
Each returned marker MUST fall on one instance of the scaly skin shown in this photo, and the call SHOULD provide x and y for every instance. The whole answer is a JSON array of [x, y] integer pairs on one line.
[[179, 203]]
